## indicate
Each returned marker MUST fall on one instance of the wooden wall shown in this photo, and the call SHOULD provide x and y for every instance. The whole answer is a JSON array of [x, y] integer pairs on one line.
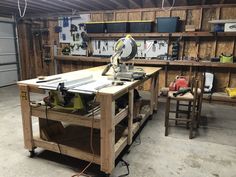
[[204, 47], [32, 48]]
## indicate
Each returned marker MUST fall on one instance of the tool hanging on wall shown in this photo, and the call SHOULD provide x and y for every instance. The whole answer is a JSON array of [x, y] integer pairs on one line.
[[175, 49]]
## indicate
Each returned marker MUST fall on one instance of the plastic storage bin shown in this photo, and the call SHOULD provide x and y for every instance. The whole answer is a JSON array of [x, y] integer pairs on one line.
[[117, 27], [141, 26], [95, 27], [167, 24]]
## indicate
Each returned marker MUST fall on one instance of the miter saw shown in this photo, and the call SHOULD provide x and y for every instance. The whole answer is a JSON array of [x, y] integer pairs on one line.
[[125, 50]]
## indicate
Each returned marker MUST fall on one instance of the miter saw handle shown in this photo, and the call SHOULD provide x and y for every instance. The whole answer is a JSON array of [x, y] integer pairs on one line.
[[106, 69]]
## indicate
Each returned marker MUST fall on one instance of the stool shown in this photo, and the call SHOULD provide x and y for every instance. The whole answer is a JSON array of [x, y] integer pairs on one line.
[[192, 113]]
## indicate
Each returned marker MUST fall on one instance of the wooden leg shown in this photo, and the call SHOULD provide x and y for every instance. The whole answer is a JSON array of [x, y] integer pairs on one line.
[[107, 133], [26, 117], [131, 117], [152, 99], [192, 122], [167, 116], [189, 113], [199, 111], [156, 91], [177, 112]]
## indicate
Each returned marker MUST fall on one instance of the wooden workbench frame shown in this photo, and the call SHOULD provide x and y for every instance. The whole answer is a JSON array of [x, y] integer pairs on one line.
[[109, 150]]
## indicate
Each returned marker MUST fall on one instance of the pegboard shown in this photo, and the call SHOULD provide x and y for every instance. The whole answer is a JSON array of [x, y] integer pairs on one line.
[[66, 28]]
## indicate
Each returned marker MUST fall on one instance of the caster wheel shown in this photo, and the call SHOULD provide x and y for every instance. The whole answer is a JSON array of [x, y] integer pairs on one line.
[[150, 117], [32, 154], [106, 175]]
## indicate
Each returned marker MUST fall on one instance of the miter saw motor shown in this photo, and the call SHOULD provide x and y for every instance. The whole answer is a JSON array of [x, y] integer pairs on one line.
[[125, 50]]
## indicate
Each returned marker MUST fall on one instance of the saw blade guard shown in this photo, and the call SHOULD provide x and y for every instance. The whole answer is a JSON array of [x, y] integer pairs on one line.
[[128, 48]]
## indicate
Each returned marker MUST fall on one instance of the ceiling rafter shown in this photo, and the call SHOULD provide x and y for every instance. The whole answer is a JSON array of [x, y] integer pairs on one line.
[[154, 2], [134, 3], [11, 5], [85, 4], [72, 5], [101, 3], [119, 4], [36, 4]]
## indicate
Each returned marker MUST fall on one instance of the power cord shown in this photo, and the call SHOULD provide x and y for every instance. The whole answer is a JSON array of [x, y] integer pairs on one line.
[[20, 12], [162, 5], [91, 145], [127, 166], [46, 115]]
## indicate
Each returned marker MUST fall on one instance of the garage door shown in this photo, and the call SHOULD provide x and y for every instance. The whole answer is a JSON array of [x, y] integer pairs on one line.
[[8, 54]]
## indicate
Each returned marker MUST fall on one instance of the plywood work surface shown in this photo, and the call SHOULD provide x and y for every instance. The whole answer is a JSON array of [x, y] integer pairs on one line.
[[97, 73]]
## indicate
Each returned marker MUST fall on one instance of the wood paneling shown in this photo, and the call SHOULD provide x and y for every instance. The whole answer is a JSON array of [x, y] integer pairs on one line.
[[134, 16], [121, 16], [206, 50], [148, 15], [208, 14], [108, 17], [225, 45], [97, 17], [193, 17]]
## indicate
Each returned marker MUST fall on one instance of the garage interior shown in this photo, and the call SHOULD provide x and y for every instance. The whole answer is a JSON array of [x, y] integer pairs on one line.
[[139, 88]]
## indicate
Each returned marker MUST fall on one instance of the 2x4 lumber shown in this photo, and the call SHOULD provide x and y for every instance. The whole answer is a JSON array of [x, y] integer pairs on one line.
[[107, 133], [153, 94], [156, 91], [131, 116], [66, 150], [120, 116], [151, 62], [26, 117], [137, 125], [120, 145], [65, 117]]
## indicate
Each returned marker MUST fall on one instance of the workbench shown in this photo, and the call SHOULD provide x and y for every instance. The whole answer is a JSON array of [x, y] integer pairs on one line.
[[109, 146]]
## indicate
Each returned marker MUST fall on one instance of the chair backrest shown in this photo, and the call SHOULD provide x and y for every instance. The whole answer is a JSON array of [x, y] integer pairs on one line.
[[209, 79]]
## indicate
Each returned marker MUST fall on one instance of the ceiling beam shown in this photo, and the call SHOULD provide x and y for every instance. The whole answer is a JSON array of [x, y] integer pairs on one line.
[[118, 3], [85, 4], [154, 2], [73, 6], [101, 3], [14, 6], [134, 3], [32, 4]]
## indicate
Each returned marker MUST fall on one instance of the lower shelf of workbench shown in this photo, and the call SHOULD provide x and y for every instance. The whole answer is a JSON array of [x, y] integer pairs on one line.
[[75, 141]]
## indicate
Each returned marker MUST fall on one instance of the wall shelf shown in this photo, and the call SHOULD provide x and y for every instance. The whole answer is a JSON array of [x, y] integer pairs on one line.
[[164, 35], [148, 62]]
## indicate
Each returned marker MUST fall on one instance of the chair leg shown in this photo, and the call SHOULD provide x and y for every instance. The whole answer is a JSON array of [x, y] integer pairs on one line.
[[167, 116], [192, 121], [189, 113], [199, 110], [177, 112]]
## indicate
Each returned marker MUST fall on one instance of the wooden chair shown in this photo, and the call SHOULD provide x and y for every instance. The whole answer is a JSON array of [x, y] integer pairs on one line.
[[193, 107]]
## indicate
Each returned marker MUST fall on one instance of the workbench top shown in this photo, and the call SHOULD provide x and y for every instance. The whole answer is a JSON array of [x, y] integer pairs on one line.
[[97, 73]]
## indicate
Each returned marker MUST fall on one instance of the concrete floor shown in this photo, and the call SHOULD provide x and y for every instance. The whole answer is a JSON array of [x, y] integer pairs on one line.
[[211, 154]]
